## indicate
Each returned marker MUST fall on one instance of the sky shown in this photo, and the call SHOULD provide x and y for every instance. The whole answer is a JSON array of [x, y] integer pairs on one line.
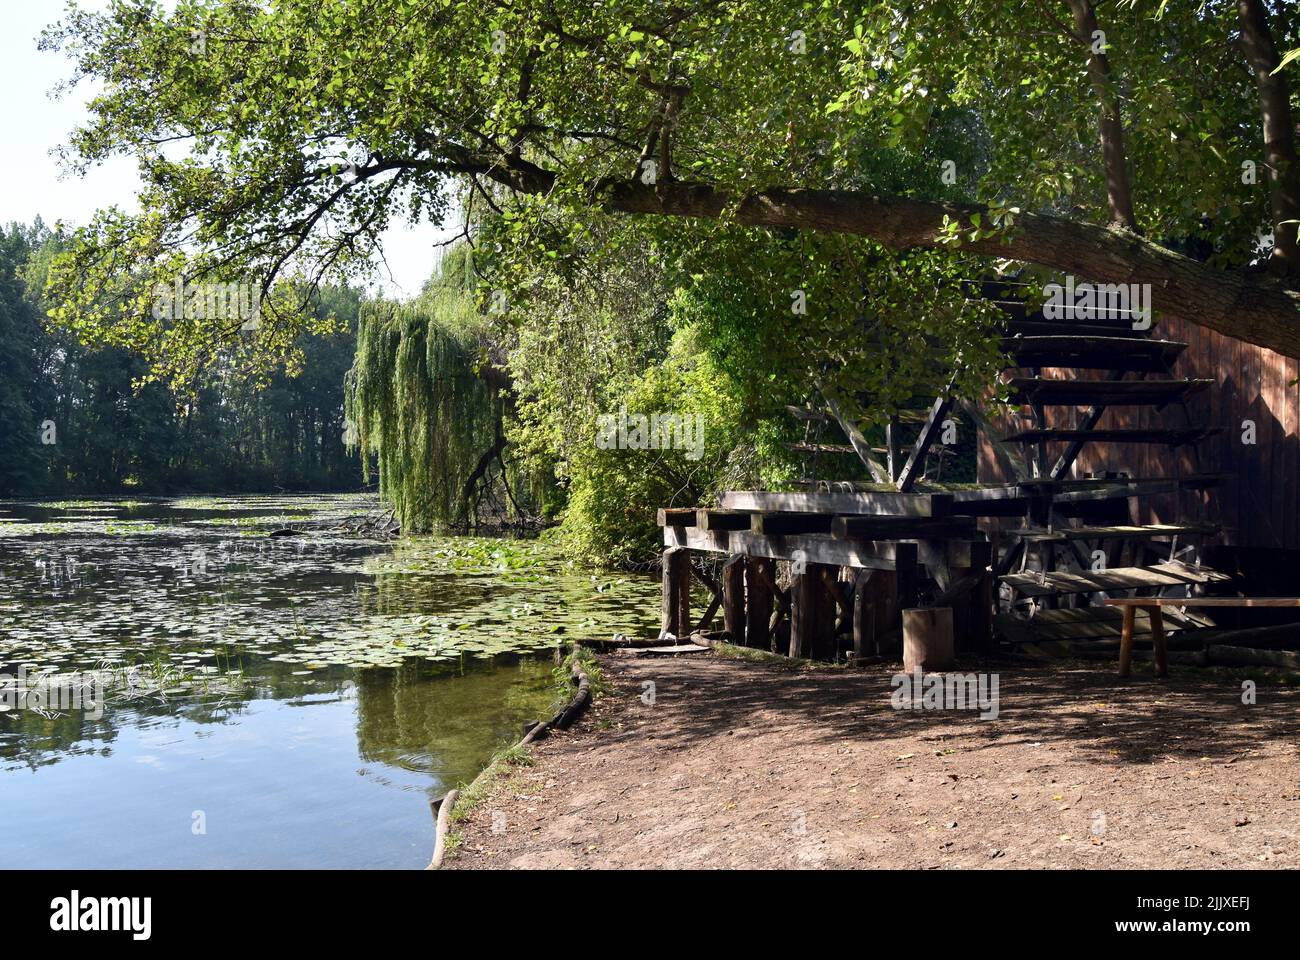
[[33, 184]]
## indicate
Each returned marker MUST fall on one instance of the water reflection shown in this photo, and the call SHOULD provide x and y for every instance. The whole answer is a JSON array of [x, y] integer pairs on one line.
[[306, 697]]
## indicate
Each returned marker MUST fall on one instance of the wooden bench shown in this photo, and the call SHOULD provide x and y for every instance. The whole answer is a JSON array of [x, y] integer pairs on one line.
[[1152, 605]]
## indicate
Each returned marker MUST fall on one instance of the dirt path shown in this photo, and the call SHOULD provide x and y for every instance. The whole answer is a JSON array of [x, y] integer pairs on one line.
[[740, 764]]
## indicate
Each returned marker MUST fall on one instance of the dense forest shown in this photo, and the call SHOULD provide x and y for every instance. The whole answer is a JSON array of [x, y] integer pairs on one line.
[[78, 419]]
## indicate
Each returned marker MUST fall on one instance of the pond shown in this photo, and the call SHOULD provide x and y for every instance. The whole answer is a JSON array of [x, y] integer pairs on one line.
[[179, 688]]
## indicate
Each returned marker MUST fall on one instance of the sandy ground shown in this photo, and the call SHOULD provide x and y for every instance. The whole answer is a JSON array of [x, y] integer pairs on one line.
[[740, 764]]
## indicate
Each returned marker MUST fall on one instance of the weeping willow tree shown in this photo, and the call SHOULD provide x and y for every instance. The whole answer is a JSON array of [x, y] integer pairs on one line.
[[422, 399]]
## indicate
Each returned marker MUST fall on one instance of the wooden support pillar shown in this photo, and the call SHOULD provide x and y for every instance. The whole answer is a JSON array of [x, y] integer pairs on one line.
[[733, 598], [864, 616], [892, 592], [676, 597], [803, 612], [1159, 647], [972, 613], [758, 601], [824, 606], [885, 611], [909, 578], [984, 600]]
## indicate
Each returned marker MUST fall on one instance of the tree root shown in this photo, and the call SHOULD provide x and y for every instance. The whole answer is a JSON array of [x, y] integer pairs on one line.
[[442, 809]]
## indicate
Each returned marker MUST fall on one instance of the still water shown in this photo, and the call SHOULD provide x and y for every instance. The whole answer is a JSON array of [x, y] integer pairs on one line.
[[180, 689]]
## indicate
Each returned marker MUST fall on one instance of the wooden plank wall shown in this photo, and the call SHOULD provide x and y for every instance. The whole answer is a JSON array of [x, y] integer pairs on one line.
[[1258, 507]]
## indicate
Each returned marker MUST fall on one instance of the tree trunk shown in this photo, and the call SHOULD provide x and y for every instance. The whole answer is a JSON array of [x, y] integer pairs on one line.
[[1110, 123], [1279, 131]]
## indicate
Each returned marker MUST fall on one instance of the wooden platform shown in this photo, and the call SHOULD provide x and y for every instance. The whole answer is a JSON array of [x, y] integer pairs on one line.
[[1093, 352], [1173, 438], [1143, 532], [1108, 393], [1120, 578]]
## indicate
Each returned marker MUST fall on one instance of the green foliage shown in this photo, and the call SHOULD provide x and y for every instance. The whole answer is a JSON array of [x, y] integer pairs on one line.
[[614, 492], [791, 316]]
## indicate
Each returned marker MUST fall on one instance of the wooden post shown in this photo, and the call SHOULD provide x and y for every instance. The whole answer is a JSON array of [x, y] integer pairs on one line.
[[905, 555], [927, 639], [983, 599], [864, 616], [972, 615], [803, 612], [758, 600], [1126, 641], [676, 597], [733, 598], [1158, 641], [824, 607]]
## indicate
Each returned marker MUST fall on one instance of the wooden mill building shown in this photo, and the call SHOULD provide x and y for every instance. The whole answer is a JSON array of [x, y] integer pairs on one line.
[[1130, 462]]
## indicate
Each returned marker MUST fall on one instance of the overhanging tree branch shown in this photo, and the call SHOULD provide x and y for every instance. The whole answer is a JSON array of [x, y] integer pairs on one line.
[[1251, 307]]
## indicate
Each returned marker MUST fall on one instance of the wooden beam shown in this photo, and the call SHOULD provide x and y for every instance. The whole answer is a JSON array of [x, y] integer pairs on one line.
[[803, 613], [929, 430], [971, 599], [709, 613], [906, 563], [675, 516], [856, 438], [885, 503], [899, 528], [714, 588], [1014, 461], [721, 519], [784, 524], [804, 447], [1002, 507], [814, 548], [891, 445]]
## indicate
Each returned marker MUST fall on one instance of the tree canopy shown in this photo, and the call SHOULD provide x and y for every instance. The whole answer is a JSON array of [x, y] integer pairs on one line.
[[1123, 141]]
